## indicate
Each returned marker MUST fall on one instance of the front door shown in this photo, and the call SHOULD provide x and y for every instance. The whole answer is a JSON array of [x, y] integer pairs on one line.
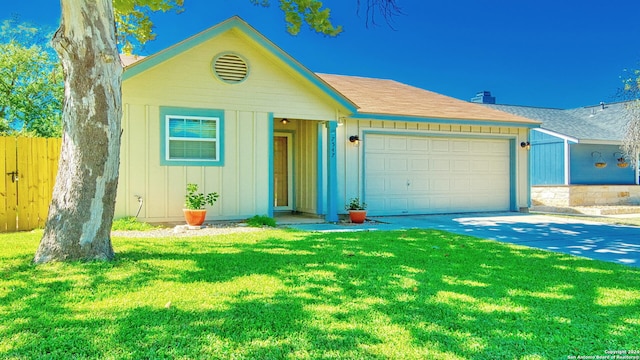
[[282, 172]]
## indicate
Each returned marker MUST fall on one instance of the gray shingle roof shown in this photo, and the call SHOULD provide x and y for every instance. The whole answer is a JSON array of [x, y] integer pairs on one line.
[[589, 123]]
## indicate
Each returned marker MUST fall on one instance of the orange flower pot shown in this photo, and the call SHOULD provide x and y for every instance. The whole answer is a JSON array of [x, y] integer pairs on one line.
[[357, 216], [194, 217]]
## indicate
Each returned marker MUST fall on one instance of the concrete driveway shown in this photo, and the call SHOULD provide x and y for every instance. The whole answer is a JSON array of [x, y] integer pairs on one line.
[[614, 243]]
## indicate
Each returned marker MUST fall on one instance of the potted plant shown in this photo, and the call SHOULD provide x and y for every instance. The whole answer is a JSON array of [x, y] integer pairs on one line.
[[194, 212], [357, 210]]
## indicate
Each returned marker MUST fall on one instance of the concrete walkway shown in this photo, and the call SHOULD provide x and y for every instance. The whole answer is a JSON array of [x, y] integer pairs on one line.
[[614, 243]]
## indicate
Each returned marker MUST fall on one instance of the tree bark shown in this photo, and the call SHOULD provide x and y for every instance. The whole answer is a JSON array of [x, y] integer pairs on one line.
[[81, 212]]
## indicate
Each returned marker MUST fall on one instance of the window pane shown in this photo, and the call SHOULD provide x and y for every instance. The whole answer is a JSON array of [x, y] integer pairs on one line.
[[208, 129], [197, 150], [192, 128], [176, 127]]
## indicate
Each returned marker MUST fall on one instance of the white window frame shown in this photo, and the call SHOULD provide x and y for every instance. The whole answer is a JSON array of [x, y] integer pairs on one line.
[[169, 138]]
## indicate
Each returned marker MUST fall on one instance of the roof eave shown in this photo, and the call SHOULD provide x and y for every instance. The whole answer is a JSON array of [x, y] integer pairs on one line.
[[421, 119], [558, 135], [599, 142]]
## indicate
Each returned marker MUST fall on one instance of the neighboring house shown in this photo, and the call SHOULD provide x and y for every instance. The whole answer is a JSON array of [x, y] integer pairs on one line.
[[569, 143], [229, 110]]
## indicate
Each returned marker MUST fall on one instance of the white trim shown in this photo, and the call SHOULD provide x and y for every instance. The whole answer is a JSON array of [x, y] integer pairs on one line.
[[553, 133], [601, 142], [567, 157]]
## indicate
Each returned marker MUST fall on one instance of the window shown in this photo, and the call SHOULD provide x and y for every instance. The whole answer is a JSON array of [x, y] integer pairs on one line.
[[191, 137]]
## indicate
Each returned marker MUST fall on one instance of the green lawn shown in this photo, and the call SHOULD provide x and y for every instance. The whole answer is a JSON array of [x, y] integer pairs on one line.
[[280, 294]]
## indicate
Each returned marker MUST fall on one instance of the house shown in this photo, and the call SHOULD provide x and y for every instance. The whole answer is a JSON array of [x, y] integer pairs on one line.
[[576, 157], [229, 110]]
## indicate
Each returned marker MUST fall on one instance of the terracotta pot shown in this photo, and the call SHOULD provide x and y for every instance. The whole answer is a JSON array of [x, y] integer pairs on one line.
[[358, 216], [194, 217]]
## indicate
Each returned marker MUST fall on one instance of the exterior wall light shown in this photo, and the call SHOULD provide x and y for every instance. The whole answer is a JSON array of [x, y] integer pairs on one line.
[[525, 145], [284, 121], [355, 139]]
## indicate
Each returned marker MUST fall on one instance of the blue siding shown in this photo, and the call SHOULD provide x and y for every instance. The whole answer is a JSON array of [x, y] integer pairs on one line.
[[547, 159], [583, 171]]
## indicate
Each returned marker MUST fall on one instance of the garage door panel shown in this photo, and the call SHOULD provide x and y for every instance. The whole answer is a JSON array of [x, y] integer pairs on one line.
[[375, 185], [419, 164], [396, 185], [418, 183], [420, 145], [374, 165], [397, 143], [398, 204], [440, 145], [439, 203], [461, 185], [416, 204], [460, 146], [423, 175], [375, 143], [440, 185], [397, 164], [497, 166], [461, 165], [480, 165], [440, 165]]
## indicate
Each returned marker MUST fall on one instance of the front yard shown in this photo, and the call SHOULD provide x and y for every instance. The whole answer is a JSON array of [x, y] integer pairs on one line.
[[278, 294]]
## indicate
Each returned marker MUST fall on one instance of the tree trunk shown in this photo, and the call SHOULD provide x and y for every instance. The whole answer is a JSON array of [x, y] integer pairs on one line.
[[83, 203]]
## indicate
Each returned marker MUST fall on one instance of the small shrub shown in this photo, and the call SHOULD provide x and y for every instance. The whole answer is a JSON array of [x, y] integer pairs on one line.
[[260, 221], [131, 223], [355, 204], [196, 201]]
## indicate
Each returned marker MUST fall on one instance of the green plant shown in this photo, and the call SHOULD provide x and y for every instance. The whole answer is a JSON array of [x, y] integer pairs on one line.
[[355, 204], [196, 201], [131, 223], [260, 221]]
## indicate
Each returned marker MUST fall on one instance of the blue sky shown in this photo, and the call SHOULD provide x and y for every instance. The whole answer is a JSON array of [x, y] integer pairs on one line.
[[547, 53]]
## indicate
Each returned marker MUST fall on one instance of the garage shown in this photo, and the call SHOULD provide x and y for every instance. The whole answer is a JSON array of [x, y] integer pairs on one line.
[[411, 174]]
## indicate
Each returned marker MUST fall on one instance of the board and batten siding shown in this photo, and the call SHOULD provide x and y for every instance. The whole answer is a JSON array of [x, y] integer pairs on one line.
[[547, 159], [242, 182], [351, 167], [272, 90]]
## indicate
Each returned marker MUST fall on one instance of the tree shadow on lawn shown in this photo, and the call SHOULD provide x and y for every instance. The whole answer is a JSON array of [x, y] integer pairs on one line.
[[405, 294]]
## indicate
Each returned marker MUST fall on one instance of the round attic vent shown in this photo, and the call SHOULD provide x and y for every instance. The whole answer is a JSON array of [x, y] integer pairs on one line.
[[230, 68]]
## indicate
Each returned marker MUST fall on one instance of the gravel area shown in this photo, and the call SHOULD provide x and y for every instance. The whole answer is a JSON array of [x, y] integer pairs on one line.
[[185, 231]]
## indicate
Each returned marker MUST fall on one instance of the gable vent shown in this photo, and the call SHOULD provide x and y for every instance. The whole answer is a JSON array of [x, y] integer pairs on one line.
[[230, 68]]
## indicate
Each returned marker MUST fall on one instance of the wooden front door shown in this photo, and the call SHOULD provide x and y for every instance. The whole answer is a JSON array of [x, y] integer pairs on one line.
[[282, 174]]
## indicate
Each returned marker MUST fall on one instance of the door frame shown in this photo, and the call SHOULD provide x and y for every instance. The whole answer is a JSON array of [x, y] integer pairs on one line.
[[290, 183]]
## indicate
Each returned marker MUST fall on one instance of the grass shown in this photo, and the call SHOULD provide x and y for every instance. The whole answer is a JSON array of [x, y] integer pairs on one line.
[[261, 221], [278, 294], [131, 223]]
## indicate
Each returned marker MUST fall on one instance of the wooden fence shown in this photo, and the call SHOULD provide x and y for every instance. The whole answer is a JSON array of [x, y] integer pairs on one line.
[[29, 167]]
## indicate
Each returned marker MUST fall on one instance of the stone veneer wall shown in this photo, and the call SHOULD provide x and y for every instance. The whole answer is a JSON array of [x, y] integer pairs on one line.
[[585, 195]]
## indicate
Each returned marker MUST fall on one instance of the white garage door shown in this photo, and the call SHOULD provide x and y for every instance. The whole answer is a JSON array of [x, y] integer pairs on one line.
[[427, 175]]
